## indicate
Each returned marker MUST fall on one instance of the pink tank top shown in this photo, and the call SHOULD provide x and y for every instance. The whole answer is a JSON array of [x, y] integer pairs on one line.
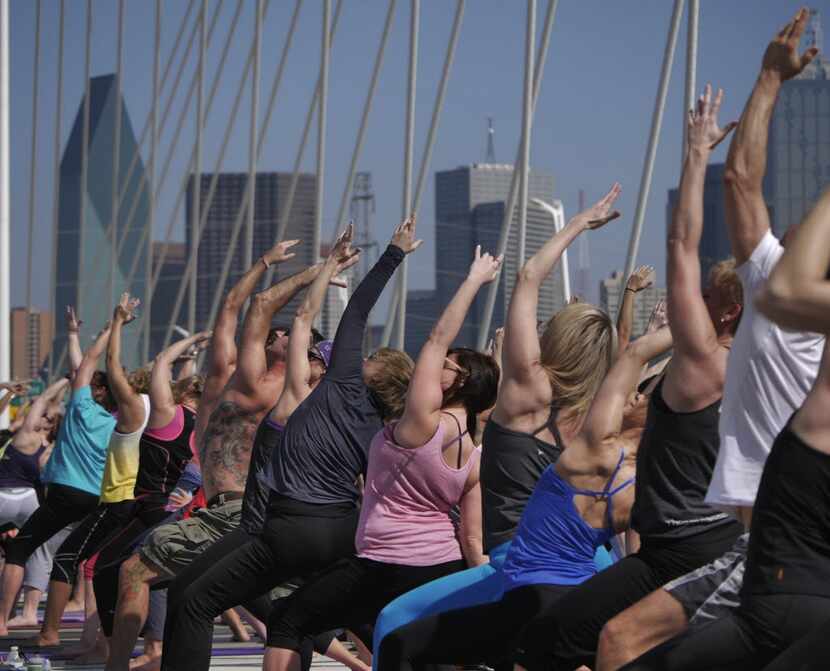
[[408, 495]]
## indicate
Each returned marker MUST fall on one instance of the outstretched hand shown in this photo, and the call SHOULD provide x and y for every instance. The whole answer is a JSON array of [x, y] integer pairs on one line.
[[404, 236], [126, 309], [73, 324], [704, 132], [485, 267], [279, 252], [601, 212], [659, 317], [641, 278], [781, 59]]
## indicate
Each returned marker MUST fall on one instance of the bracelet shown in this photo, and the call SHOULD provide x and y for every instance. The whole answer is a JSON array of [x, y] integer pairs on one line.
[[630, 289], [267, 265]]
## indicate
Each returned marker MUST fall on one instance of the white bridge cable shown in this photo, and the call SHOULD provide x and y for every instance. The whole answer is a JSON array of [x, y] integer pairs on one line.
[[190, 270], [252, 138], [409, 142], [196, 180], [654, 137], [364, 119], [182, 118], [154, 138], [220, 289], [56, 179], [507, 221], [32, 167], [322, 110]]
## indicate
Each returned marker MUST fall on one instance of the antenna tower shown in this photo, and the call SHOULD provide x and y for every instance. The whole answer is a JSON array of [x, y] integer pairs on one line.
[[361, 209], [491, 147]]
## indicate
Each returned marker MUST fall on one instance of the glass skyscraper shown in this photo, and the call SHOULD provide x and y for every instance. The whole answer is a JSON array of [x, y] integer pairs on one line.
[[84, 249]]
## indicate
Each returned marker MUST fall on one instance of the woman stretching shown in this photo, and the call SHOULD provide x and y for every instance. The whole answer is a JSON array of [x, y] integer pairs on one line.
[[578, 505], [547, 385], [419, 469], [786, 588], [312, 514]]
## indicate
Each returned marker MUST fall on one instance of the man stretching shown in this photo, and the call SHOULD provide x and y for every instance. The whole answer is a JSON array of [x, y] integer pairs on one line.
[[239, 390]]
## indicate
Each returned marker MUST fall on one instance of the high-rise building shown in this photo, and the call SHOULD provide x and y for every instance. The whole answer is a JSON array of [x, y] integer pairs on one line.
[[798, 164], [164, 298], [714, 243], [337, 298], [469, 208], [30, 339], [84, 249], [271, 193], [610, 297]]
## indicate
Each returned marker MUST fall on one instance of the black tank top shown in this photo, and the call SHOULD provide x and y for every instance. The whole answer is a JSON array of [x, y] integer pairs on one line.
[[511, 464], [161, 462], [789, 544], [18, 469], [675, 460]]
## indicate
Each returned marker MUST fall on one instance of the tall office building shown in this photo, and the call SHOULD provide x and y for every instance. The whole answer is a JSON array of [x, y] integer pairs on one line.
[[337, 298], [164, 298], [610, 297], [714, 243], [29, 342], [84, 248], [798, 166], [469, 208], [271, 193]]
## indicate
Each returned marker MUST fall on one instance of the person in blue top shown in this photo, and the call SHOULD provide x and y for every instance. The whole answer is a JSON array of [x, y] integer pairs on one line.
[[74, 472], [578, 505]]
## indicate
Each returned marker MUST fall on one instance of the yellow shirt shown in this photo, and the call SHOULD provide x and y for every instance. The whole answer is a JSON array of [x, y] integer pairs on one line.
[[122, 462]]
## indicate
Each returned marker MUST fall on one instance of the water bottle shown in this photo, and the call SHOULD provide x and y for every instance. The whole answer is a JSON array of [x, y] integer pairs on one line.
[[14, 659]]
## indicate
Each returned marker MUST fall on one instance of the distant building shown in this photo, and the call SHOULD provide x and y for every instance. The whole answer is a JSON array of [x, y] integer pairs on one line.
[[714, 244], [469, 208], [271, 193], [337, 298], [84, 250], [610, 297], [164, 298], [30, 341], [798, 164]]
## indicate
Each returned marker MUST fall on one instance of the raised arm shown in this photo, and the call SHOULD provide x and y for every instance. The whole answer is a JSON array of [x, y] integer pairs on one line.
[[253, 362], [797, 294], [130, 406], [422, 413], [521, 366], [89, 363], [11, 390], [221, 359], [640, 279], [162, 403], [28, 437], [347, 352], [604, 419], [746, 212], [73, 337], [692, 328], [297, 369]]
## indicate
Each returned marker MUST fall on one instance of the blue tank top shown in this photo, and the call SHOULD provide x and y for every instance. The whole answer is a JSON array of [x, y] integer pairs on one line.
[[554, 545]]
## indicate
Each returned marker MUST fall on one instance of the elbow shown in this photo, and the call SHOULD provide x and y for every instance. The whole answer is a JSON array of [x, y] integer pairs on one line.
[[528, 274], [737, 178]]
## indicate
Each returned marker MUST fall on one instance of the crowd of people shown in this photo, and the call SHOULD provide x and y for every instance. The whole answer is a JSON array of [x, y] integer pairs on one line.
[[570, 499]]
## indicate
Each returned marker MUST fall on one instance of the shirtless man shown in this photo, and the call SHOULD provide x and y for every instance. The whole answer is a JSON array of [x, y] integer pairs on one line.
[[240, 388]]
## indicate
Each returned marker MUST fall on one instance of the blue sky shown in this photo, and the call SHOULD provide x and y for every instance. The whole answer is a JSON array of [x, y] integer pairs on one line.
[[591, 126]]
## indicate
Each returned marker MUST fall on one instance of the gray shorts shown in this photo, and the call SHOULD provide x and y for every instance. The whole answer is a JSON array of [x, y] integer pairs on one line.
[[172, 547], [712, 591]]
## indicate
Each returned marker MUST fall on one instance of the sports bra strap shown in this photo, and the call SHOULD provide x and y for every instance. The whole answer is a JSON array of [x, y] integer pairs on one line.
[[460, 438], [550, 425], [607, 493]]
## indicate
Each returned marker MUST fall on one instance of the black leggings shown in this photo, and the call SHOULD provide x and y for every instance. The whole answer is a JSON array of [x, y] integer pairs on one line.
[[260, 607], [484, 633], [808, 653], [146, 514], [93, 532], [567, 637], [297, 540], [762, 627], [62, 506], [351, 592]]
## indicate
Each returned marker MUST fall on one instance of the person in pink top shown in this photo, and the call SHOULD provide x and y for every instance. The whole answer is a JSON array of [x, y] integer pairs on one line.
[[419, 469]]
